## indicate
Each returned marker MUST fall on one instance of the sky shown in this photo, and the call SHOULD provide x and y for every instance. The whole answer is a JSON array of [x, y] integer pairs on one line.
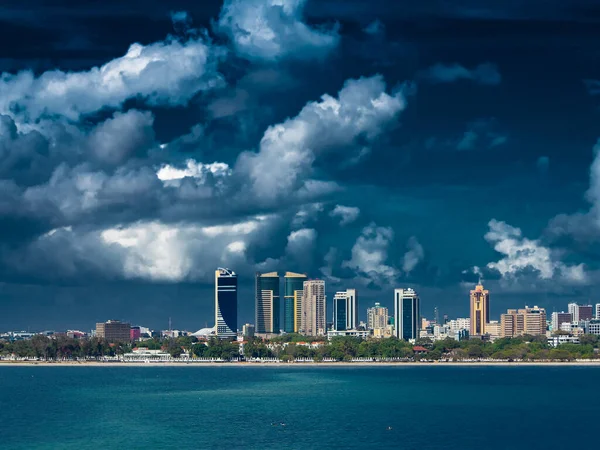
[[375, 145]]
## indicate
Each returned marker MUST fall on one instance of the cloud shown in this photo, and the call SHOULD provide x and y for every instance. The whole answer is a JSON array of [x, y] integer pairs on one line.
[[484, 74], [481, 133], [370, 254], [144, 250], [306, 214], [172, 176], [273, 29], [413, 256], [593, 86], [287, 150], [164, 73], [522, 255], [583, 227], [374, 28], [301, 245], [347, 214], [123, 136]]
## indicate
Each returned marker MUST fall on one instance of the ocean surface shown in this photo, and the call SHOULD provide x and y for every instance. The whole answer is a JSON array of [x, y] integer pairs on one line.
[[230, 407]]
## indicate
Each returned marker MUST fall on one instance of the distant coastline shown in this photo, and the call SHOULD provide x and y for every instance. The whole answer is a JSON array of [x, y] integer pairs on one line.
[[298, 364]]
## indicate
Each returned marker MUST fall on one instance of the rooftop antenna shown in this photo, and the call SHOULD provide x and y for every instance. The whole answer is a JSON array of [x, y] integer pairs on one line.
[[169, 324]]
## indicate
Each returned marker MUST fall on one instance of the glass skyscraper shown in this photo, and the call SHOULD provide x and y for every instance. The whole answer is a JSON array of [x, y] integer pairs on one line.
[[226, 303], [267, 303], [345, 305], [407, 314], [292, 306]]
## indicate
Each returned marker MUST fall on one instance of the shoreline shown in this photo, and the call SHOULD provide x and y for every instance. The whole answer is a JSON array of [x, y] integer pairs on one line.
[[302, 364]]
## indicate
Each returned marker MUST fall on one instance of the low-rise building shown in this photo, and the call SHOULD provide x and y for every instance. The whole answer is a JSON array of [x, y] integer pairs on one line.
[[555, 341], [354, 333]]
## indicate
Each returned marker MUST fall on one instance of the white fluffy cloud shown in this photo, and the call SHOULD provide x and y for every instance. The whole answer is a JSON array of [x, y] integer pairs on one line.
[[346, 214], [486, 74], [273, 29], [171, 175], [288, 150], [370, 254], [522, 254], [413, 256], [166, 73]]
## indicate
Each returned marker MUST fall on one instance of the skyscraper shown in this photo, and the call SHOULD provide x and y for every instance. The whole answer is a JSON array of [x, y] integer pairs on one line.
[[598, 311], [340, 311], [225, 303], [313, 308], [267, 302], [347, 304], [377, 319], [574, 311], [480, 310], [407, 313], [292, 306]]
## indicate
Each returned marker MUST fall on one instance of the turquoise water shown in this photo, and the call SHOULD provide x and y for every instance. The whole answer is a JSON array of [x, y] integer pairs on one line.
[[347, 407]]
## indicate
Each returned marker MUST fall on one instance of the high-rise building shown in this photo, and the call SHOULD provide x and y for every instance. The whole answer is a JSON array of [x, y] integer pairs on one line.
[[377, 317], [586, 312], [535, 320], [407, 314], [573, 309], [530, 321], [313, 309], [340, 311], [292, 301], [558, 318], [512, 323], [114, 331], [480, 310], [267, 303], [598, 311], [345, 303], [226, 303]]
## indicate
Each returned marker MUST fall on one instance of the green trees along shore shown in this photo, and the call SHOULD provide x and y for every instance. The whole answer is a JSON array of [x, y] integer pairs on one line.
[[292, 347]]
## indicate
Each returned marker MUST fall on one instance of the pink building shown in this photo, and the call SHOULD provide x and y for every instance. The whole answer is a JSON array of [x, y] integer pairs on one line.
[[134, 333]]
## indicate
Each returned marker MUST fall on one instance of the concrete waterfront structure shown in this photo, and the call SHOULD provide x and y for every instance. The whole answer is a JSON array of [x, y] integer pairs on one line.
[[407, 313], [267, 304], [480, 310], [313, 308], [114, 331], [225, 303], [292, 301], [345, 310]]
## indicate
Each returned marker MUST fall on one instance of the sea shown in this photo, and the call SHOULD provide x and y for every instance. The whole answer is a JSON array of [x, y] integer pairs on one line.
[[299, 407]]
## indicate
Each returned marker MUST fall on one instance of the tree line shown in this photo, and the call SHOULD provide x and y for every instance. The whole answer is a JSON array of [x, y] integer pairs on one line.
[[291, 347]]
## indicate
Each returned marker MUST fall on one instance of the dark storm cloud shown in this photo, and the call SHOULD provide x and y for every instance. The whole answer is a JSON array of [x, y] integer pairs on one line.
[[145, 142]]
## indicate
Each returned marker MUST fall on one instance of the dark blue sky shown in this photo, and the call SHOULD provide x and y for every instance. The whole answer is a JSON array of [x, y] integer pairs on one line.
[[373, 144]]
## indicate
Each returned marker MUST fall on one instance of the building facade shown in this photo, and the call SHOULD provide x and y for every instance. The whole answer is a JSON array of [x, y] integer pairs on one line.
[[597, 311], [267, 303], [313, 308], [292, 301], [531, 321], [407, 314], [345, 310], [480, 310], [225, 303], [586, 312], [377, 317], [114, 331], [558, 318]]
